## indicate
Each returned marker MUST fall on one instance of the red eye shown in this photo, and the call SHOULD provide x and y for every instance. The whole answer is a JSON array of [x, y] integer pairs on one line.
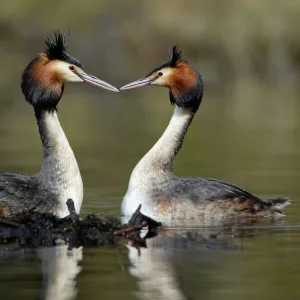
[[71, 68], [160, 73]]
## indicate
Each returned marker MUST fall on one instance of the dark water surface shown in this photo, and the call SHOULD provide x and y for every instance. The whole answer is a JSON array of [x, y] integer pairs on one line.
[[198, 264]]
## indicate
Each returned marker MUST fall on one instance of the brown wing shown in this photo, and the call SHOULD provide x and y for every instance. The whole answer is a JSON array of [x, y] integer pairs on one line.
[[213, 197]]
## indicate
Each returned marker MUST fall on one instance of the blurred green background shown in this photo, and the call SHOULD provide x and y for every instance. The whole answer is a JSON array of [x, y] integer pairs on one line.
[[247, 128]]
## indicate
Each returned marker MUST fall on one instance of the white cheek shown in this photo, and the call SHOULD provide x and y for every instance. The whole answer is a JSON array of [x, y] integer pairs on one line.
[[72, 77], [159, 81], [67, 74], [162, 80]]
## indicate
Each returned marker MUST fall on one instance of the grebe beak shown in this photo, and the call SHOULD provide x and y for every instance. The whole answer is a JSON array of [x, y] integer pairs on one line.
[[93, 80], [138, 83]]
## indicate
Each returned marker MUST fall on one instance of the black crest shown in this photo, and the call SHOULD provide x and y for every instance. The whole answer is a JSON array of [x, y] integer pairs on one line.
[[175, 58], [56, 45], [56, 48]]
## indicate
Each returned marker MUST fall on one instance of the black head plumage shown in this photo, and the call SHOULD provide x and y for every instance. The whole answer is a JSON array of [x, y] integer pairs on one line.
[[56, 45], [175, 58], [192, 97], [40, 95], [56, 48]]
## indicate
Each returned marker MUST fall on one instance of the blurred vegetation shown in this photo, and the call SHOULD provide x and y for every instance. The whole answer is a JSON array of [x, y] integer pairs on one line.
[[228, 39]]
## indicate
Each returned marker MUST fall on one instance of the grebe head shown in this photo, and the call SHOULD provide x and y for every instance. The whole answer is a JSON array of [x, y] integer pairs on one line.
[[184, 82], [44, 77]]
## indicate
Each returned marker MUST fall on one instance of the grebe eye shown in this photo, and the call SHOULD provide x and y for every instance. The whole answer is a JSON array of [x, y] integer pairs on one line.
[[160, 74], [71, 68]]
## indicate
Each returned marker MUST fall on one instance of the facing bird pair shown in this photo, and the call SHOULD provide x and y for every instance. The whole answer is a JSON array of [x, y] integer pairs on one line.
[[163, 196]]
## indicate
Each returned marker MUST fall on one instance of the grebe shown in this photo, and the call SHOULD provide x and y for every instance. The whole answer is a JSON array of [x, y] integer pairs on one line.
[[172, 200], [59, 178]]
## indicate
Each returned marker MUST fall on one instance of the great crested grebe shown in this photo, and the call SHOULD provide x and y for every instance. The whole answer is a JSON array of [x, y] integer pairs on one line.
[[59, 178], [170, 199]]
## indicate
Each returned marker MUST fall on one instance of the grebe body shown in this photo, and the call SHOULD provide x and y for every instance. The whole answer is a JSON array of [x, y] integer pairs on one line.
[[59, 178], [167, 198]]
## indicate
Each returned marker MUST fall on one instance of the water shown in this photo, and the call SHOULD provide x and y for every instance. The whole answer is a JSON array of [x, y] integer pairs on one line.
[[203, 264], [247, 146], [249, 141]]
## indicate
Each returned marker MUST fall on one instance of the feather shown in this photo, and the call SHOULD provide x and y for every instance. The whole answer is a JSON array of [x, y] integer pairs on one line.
[[56, 45]]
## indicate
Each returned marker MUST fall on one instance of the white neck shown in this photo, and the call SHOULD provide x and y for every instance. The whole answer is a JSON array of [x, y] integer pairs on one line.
[[59, 171], [60, 269], [160, 157], [52, 135]]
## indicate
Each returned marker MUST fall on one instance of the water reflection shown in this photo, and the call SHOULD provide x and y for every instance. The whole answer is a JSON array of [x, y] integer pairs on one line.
[[242, 262], [59, 269], [154, 263]]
